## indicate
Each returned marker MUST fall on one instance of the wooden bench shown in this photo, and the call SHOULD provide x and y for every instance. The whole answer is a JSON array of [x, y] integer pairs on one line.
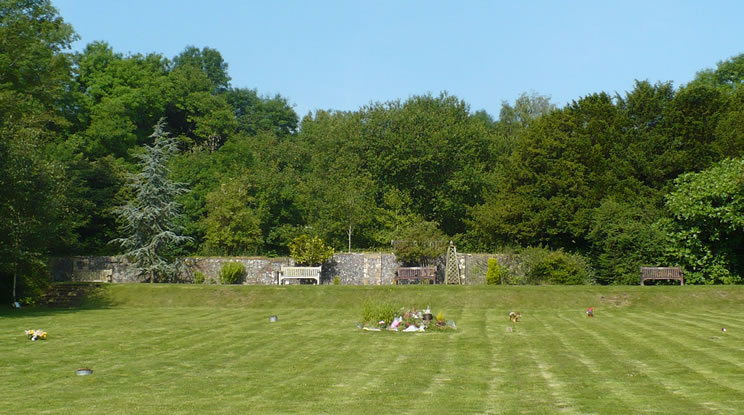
[[299, 273], [662, 273], [416, 275]]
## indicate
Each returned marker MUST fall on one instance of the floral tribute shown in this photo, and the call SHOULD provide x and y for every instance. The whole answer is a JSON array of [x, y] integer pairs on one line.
[[36, 334], [411, 320]]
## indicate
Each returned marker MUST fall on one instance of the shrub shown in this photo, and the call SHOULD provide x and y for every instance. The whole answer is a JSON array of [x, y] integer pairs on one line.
[[559, 267], [336, 280], [231, 272], [309, 251], [544, 266], [199, 277], [493, 275]]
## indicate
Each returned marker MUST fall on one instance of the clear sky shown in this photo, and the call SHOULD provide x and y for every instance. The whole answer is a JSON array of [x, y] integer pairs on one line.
[[342, 55]]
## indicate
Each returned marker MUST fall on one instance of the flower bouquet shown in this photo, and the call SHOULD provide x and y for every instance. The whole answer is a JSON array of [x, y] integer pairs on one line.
[[37, 334], [380, 318]]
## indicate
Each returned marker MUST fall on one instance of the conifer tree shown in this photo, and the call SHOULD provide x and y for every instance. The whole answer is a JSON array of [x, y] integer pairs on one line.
[[150, 217]]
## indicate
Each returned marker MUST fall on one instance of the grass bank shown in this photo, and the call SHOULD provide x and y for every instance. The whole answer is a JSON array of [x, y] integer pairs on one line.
[[448, 297]]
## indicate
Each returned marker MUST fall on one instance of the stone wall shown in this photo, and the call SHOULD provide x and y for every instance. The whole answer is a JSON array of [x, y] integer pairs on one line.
[[361, 269], [90, 268], [351, 269], [473, 267], [258, 271]]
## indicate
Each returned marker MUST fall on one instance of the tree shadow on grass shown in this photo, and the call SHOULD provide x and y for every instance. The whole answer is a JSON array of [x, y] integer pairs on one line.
[[34, 311], [96, 299]]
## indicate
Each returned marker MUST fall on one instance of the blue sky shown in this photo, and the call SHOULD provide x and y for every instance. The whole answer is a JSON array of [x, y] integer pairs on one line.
[[342, 55]]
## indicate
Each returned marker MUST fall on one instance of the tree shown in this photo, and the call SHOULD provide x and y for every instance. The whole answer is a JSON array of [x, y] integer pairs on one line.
[[525, 110], [309, 251], [729, 74], [34, 70], [255, 113], [550, 182], [36, 216], [196, 114], [119, 99], [564, 164], [346, 205], [232, 227], [206, 60], [691, 121], [623, 238], [705, 223], [431, 148], [419, 244], [150, 216]]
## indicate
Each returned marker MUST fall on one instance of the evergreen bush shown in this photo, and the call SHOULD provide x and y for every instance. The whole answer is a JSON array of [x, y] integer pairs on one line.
[[544, 266], [493, 275], [559, 267], [231, 272]]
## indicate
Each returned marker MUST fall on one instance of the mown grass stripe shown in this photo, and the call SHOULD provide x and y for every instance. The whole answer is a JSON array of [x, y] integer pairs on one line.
[[674, 371], [671, 334], [590, 384], [441, 350], [495, 330], [293, 365], [621, 348], [469, 365], [713, 324], [708, 320], [707, 342], [550, 370], [620, 367]]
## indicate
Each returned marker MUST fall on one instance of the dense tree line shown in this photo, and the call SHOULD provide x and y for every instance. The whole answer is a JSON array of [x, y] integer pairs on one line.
[[652, 176]]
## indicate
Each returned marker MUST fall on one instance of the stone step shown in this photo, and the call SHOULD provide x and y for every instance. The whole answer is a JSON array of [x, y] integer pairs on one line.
[[68, 295]]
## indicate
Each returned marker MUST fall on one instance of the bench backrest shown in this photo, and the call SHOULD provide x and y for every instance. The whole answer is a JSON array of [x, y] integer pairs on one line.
[[661, 272], [417, 272], [301, 272]]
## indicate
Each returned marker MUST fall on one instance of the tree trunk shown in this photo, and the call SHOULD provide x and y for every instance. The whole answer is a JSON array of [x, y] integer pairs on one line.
[[17, 253], [349, 233], [15, 277]]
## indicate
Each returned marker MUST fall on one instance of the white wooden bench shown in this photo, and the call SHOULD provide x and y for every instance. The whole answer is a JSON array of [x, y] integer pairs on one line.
[[299, 273]]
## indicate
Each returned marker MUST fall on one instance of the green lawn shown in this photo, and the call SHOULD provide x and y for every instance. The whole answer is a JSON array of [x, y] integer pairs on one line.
[[180, 349]]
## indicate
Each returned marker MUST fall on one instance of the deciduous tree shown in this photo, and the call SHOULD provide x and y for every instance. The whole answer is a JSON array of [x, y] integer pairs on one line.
[[705, 228]]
